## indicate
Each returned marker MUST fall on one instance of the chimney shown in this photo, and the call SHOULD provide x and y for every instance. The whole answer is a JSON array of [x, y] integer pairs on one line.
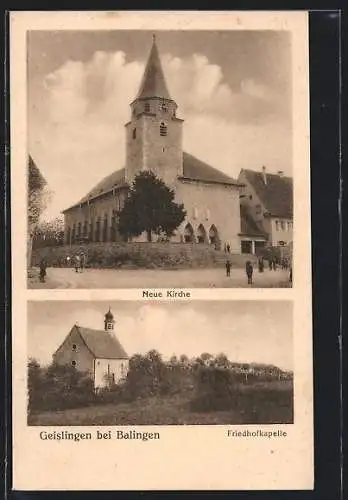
[[280, 173], [264, 175]]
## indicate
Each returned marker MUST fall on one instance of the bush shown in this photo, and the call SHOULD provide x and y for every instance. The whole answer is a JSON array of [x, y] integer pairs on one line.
[[57, 387], [214, 388]]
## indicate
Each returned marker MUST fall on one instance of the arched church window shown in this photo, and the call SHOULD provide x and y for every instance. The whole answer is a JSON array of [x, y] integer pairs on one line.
[[163, 129], [134, 134], [164, 107], [147, 107]]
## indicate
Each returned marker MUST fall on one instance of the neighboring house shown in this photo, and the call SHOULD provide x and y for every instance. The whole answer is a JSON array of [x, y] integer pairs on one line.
[[97, 352], [267, 200], [154, 141]]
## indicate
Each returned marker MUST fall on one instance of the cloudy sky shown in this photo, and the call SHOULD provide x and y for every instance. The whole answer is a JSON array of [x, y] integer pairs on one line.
[[246, 331], [233, 90]]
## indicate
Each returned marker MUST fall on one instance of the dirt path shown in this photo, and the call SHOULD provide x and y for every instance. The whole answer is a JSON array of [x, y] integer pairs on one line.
[[146, 278]]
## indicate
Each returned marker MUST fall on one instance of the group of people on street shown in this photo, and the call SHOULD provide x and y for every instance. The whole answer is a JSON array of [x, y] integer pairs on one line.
[[249, 268], [78, 262]]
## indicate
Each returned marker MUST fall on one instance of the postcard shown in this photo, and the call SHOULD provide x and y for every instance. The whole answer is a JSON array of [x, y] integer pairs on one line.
[[160, 186]]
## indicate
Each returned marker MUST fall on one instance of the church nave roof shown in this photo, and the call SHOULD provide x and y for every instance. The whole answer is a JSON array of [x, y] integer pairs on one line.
[[193, 169]]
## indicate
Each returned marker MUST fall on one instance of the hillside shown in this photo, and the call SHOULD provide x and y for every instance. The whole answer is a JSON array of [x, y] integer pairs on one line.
[[266, 403]]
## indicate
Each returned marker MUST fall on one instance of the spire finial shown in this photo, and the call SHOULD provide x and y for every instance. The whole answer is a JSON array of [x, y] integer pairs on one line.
[[153, 37]]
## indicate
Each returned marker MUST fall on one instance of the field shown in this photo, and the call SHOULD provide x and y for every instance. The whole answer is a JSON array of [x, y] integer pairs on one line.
[[266, 403]]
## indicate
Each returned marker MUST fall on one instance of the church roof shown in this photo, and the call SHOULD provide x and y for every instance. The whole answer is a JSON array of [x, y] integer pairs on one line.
[[153, 83], [276, 194], [102, 344], [116, 179], [194, 169]]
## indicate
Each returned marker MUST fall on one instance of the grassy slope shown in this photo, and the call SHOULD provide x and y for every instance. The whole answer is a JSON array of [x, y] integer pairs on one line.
[[262, 404]]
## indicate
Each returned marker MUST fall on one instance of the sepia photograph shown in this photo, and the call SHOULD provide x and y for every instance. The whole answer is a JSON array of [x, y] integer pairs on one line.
[[130, 363], [151, 152], [159, 172]]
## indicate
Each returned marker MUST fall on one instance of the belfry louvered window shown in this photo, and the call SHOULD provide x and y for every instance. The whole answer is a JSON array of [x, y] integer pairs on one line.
[[163, 129], [147, 107]]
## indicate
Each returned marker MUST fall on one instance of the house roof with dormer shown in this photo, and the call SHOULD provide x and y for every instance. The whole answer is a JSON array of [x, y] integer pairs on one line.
[[153, 83], [274, 191], [100, 343], [194, 170]]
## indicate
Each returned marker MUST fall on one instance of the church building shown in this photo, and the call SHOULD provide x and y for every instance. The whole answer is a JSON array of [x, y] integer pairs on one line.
[[154, 142], [96, 352]]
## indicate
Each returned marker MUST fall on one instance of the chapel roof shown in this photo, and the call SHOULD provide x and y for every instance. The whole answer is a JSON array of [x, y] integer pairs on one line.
[[153, 83], [193, 169], [276, 194], [102, 344]]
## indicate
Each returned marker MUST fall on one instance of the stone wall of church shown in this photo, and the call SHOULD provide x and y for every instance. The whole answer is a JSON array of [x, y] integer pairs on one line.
[[212, 211], [74, 350], [96, 222], [163, 154], [147, 149]]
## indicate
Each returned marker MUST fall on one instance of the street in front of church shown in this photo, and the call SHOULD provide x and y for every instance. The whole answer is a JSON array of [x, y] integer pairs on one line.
[[148, 278]]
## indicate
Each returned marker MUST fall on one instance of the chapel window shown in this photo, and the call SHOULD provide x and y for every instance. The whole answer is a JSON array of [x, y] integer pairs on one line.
[[164, 107], [163, 129], [74, 347], [277, 225], [73, 362]]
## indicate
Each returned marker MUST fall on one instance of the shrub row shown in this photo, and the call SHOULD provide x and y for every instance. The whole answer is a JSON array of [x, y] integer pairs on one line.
[[209, 383]]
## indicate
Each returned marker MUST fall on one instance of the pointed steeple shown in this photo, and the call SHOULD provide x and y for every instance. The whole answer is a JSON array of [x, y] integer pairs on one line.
[[153, 83]]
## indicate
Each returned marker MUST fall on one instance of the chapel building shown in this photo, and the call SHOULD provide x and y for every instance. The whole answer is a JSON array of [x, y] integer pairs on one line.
[[154, 142], [95, 352]]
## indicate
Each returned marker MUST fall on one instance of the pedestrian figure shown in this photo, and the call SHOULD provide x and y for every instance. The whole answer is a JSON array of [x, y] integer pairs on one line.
[[228, 268], [249, 272], [82, 261], [228, 248], [77, 263], [68, 261], [274, 264], [270, 264], [261, 265], [43, 267]]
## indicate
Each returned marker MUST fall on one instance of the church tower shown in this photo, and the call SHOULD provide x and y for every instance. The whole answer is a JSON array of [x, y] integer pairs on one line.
[[154, 133], [109, 321]]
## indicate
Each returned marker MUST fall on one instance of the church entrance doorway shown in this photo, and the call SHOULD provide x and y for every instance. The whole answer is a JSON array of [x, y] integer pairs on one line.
[[201, 234], [188, 234]]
